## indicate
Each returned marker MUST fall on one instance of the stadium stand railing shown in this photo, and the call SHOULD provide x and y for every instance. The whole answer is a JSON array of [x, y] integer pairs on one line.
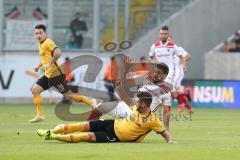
[[143, 16], [221, 64]]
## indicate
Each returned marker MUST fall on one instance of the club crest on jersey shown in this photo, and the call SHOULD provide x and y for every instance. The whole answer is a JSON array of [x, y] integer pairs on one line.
[[168, 49]]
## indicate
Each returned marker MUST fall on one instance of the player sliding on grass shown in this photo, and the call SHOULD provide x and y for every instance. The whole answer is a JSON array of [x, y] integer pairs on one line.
[[53, 75], [151, 83], [130, 129]]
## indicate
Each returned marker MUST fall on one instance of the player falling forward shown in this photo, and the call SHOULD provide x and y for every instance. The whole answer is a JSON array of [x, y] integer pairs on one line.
[[53, 75], [167, 51], [133, 128], [151, 83]]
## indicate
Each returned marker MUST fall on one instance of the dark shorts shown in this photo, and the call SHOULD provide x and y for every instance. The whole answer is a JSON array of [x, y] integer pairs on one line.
[[58, 82], [103, 130]]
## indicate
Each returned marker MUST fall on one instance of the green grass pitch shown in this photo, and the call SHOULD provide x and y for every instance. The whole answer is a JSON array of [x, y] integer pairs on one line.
[[210, 134]]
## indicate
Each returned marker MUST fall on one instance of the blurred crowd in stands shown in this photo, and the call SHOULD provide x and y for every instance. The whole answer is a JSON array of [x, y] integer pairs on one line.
[[233, 45], [78, 27]]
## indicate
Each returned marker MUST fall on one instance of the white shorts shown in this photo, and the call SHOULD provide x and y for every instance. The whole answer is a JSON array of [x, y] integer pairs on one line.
[[170, 79], [121, 110], [177, 79]]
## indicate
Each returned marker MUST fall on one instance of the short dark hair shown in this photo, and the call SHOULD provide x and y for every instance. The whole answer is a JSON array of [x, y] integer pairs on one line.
[[41, 26], [163, 67], [165, 28], [145, 97]]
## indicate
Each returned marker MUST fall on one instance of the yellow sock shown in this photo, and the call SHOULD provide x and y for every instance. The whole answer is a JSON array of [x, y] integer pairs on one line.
[[37, 100], [79, 98], [70, 128], [80, 137]]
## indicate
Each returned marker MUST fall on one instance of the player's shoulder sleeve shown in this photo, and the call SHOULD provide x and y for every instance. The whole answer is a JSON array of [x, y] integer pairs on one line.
[[179, 51], [51, 45], [182, 51], [157, 126], [171, 44]]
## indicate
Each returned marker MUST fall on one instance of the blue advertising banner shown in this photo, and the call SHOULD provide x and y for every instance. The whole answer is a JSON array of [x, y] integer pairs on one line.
[[211, 93]]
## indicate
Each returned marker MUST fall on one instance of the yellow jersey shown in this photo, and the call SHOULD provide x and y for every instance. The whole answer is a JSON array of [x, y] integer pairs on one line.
[[136, 126], [46, 49]]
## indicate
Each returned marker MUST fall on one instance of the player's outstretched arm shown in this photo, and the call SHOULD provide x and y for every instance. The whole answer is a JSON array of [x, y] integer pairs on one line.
[[139, 80], [127, 66], [123, 95], [184, 61], [166, 135], [166, 115], [36, 68]]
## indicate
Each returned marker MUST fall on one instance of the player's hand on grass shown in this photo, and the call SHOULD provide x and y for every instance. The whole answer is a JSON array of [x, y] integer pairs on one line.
[[172, 142]]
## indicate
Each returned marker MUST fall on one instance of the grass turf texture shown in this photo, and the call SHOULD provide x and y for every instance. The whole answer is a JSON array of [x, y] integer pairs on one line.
[[211, 134]]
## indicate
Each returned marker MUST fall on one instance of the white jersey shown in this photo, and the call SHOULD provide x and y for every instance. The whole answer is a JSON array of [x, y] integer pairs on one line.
[[164, 52], [160, 92], [160, 96]]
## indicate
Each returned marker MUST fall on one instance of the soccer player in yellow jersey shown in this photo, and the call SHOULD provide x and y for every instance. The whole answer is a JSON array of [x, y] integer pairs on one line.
[[130, 129], [53, 75]]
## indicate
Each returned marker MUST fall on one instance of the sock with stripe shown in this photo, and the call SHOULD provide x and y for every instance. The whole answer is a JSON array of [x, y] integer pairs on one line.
[[79, 98], [180, 102]]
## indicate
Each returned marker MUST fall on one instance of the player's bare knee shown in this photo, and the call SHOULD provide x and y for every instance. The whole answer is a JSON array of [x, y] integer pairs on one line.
[[92, 137], [174, 95], [35, 90], [166, 110], [86, 127]]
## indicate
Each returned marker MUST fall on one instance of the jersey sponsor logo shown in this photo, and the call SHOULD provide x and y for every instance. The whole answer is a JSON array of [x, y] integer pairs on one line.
[[163, 55], [163, 47]]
